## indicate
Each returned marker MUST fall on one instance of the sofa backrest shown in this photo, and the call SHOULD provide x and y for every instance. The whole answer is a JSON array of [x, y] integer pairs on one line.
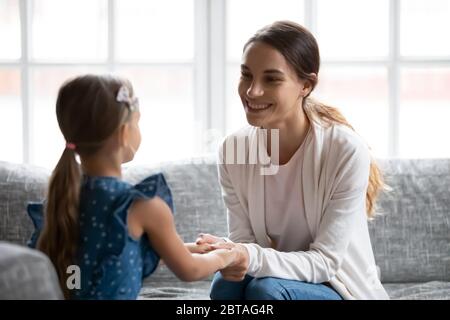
[[19, 183], [411, 241], [196, 194], [197, 200]]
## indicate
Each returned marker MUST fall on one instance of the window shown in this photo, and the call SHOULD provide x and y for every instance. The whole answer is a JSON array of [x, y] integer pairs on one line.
[[68, 31], [361, 94], [10, 83], [49, 41], [10, 115], [10, 30], [353, 29], [424, 39], [424, 111], [424, 79], [387, 73]]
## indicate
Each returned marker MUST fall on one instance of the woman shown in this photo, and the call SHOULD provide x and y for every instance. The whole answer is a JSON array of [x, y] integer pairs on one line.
[[302, 232]]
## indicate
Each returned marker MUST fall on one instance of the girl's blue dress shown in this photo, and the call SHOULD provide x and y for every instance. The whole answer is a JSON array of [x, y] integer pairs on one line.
[[112, 263]]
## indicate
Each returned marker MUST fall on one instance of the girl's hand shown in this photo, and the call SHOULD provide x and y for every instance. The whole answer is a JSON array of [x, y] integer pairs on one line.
[[199, 248], [208, 238]]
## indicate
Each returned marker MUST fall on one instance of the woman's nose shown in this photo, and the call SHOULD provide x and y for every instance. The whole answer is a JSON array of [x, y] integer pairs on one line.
[[255, 90]]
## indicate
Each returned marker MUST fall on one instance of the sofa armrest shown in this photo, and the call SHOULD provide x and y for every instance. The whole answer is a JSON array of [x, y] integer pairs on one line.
[[27, 274]]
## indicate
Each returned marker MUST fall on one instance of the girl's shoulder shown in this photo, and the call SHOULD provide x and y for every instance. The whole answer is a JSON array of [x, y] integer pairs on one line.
[[152, 186], [111, 188], [105, 194]]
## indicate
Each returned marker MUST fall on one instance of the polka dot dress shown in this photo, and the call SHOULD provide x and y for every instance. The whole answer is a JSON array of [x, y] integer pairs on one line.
[[112, 263]]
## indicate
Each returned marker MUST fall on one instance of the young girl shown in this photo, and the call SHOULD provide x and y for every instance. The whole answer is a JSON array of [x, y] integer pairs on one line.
[[115, 232]]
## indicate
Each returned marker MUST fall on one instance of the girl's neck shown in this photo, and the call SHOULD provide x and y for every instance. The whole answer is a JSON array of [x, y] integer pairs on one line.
[[101, 166]]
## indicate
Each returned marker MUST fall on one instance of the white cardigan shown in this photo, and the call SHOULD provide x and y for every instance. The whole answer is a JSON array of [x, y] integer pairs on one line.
[[335, 179]]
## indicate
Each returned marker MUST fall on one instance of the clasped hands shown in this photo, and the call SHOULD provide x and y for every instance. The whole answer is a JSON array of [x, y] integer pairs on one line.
[[237, 270]]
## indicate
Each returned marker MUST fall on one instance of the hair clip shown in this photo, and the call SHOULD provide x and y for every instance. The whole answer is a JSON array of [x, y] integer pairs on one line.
[[123, 95]]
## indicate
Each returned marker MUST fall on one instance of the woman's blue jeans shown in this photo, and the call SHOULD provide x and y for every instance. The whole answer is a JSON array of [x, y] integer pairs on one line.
[[269, 288]]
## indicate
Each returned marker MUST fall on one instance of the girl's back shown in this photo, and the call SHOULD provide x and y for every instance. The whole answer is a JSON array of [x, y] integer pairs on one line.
[[112, 262]]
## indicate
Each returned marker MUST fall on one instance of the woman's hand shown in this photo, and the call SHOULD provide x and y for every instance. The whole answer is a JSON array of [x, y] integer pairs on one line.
[[228, 256], [237, 270]]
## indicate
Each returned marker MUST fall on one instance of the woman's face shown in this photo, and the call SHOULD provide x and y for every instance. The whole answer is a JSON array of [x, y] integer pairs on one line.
[[269, 88]]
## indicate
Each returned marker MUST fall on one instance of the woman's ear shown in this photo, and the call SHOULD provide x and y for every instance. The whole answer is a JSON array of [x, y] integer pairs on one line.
[[306, 88], [308, 84]]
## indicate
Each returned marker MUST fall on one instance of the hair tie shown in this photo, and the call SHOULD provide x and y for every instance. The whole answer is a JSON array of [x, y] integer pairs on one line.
[[70, 145]]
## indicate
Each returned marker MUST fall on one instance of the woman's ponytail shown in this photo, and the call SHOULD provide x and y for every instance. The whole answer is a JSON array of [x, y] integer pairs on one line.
[[330, 115]]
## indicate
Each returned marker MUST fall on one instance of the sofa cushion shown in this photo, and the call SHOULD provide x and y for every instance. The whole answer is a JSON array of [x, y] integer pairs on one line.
[[433, 290], [155, 289]]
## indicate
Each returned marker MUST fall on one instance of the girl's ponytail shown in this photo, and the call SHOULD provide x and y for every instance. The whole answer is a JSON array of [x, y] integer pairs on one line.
[[59, 238]]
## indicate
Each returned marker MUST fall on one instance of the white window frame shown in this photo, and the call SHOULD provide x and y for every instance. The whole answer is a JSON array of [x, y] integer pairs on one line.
[[202, 84], [393, 63], [210, 68]]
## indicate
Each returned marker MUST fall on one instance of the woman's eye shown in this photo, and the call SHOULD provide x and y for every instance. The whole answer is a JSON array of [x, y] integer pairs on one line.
[[270, 79], [246, 75]]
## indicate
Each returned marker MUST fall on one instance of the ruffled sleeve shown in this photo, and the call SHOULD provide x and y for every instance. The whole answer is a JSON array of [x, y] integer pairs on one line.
[[152, 186], [149, 188], [35, 211]]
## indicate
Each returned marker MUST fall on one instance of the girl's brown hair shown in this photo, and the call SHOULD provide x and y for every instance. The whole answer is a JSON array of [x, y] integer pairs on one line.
[[88, 114], [300, 49]]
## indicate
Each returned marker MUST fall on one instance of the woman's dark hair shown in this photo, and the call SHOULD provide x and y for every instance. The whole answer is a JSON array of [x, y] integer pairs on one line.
[[297, 45], [88, 114], [300, 49]]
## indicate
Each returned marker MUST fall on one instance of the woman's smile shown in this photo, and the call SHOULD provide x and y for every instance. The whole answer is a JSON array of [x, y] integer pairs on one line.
[[256, 106]]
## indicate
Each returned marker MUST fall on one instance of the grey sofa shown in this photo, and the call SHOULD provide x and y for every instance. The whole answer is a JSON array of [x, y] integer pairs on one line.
[[411, 240]]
